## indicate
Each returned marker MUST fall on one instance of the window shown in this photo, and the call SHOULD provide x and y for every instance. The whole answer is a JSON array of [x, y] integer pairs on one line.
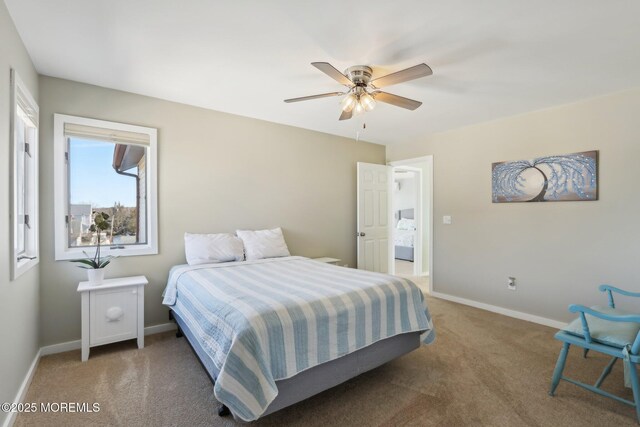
[[105, 167], [24, 214]]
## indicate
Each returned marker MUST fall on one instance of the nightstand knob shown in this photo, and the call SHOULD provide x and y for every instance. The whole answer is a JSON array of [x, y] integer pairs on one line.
[[114, 314]]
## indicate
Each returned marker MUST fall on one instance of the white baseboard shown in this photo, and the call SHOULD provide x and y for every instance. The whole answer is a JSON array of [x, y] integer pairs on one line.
[[501, 310], [22, 391], [60, 348], [163, 327], [75, 345]]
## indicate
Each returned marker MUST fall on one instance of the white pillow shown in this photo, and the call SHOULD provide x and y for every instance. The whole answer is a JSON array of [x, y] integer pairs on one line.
[[211, 248], [263, 243], [406, 224]]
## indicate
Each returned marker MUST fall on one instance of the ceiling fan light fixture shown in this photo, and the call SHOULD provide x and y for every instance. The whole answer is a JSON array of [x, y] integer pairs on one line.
[[358, 108], [349, 102], [367, 102]]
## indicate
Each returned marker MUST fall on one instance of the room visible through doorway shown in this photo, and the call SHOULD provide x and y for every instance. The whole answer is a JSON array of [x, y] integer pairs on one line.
[[406, 213], [411, 218]]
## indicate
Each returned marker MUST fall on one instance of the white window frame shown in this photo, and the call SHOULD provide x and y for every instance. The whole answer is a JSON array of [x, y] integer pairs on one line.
[[61, 190], [30, 257]]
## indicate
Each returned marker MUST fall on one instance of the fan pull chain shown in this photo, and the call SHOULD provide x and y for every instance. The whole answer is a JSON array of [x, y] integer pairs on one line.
[[364, 127]]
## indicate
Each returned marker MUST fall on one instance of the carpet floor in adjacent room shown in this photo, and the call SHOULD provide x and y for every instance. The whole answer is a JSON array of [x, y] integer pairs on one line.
[[483, 369]]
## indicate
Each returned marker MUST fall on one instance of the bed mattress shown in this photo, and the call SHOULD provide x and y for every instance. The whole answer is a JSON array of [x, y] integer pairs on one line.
[[263, 321], [404, 238]]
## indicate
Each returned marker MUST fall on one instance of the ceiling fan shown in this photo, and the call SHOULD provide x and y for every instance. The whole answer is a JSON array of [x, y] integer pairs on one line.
[[363, 92]]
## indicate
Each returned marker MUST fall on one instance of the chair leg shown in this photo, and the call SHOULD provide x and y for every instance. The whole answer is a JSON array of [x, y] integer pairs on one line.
[[557, 372], [635, 386], [606, 372], [585, 352]]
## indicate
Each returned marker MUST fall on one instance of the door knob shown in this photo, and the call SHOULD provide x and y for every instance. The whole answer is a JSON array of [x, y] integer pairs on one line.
[[360, 234]]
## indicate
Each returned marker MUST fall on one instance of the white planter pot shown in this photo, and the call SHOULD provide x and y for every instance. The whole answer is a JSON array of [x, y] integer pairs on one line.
[[95, 275]]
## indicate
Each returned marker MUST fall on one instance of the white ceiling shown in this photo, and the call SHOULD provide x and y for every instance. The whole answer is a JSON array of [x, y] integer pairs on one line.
[[491, 58]]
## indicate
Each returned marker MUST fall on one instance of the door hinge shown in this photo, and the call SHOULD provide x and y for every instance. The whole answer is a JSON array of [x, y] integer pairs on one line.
[[27, 149], [66, 156], [66, 219], [26, 221]]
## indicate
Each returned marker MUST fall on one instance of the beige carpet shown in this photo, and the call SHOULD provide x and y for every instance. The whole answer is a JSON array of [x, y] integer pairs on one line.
[[483, 369], [404, 268]]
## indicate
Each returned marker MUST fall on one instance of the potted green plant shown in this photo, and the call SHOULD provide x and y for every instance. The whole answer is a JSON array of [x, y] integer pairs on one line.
[[95, 265]]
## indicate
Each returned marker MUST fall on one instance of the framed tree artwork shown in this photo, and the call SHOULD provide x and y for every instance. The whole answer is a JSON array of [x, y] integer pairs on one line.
[[569, 177]]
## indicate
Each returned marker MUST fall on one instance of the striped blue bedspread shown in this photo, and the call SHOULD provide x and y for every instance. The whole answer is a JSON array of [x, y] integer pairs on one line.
[[267, 320]]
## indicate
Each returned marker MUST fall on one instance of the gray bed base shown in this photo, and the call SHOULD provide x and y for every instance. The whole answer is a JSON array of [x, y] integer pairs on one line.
[[404, 253], [322, 377]]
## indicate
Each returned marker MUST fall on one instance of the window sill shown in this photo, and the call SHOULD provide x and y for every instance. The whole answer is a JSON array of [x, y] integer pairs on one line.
[[76, 253], [22, 266]]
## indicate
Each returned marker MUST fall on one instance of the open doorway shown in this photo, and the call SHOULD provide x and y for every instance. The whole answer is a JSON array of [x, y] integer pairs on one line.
[[407, 210], [421, 170]]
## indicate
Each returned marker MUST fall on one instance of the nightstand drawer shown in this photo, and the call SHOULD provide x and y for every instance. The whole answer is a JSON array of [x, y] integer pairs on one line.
[[113, 315]]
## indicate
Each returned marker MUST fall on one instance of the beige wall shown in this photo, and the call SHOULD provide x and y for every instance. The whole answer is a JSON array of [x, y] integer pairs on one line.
[[217, 172], [19, 315], [559, 252]]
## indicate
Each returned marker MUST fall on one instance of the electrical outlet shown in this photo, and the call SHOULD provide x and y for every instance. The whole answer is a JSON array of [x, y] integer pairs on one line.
[[511, 284]]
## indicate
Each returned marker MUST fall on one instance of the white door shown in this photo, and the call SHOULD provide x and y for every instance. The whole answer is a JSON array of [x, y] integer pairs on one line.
[[374, 213]]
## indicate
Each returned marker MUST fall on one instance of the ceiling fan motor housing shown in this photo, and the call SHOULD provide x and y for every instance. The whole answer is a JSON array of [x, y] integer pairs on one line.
[[360, 75]]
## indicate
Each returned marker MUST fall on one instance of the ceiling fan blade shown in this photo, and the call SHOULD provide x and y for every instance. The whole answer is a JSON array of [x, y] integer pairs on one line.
[[398, 101], [346, 115], [415, 72], [332, 72], [306, 98]]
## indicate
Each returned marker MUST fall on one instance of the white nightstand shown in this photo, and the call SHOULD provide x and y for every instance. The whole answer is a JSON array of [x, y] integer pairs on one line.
[[112, 311], [334, 261]]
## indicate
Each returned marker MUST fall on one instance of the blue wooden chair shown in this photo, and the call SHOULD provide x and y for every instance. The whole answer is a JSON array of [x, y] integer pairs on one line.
[[607, 330]]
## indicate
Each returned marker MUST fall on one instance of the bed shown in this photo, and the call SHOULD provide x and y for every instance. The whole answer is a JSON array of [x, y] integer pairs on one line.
[[404, 235], [273, 332]]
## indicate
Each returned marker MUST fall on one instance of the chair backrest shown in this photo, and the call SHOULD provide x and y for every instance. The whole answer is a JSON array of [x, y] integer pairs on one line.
[[627, 318], [635, 348]]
